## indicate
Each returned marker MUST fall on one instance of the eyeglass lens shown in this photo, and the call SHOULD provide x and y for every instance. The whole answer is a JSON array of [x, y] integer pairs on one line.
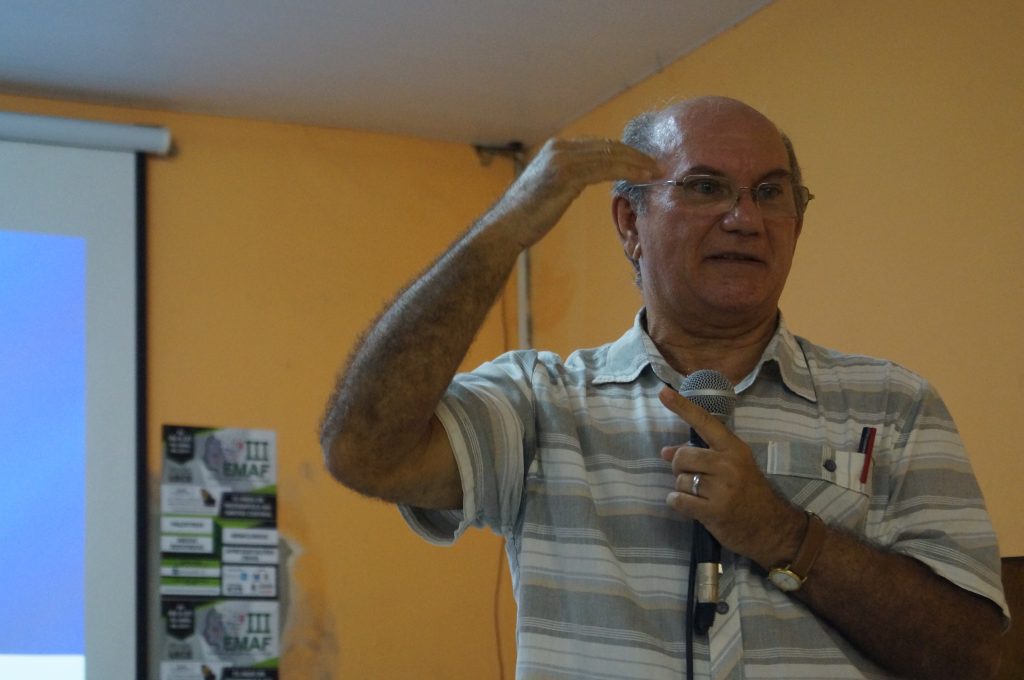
[[709, 193]]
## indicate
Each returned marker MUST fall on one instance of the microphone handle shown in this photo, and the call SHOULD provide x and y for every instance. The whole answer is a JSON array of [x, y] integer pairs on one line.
[[708, 553], [709, 556]]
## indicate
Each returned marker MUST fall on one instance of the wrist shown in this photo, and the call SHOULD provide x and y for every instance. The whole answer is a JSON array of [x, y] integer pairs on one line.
[[490, 246], [788, 537], [790, 576], [498, 234]]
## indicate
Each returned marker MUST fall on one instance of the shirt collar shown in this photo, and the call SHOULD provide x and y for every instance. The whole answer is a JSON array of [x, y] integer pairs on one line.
[[627, 357], [787, 356]]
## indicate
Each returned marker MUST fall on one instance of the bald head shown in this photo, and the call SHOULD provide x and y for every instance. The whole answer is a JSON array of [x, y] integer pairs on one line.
[[663, 132], [673, 124]]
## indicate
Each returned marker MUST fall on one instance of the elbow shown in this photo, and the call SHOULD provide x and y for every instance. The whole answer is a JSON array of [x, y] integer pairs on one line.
[[336, 448], [349, 464], [990, 655], [332, 458], [338, 460], [980, 662], [984, 667], [981, 654], [349, 448], [988, 644]]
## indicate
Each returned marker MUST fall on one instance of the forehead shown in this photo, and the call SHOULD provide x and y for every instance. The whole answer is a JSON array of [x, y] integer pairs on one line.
[[733, 139]]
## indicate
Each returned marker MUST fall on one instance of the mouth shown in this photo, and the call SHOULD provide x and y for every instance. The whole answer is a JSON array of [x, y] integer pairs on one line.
[[735, 257]]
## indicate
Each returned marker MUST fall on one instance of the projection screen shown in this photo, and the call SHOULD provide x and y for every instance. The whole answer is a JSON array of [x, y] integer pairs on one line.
[[72, 412]]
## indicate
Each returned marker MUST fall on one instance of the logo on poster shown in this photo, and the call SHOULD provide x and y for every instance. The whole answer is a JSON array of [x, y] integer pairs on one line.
[[242, 632]]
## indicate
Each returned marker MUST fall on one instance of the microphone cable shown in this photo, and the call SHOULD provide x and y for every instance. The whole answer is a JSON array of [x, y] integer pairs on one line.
[[691, 604]]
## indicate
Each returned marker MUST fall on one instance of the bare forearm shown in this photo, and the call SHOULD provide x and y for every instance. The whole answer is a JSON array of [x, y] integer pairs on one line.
[[378, 434], [901, 614], [381, 408], [893, 608]]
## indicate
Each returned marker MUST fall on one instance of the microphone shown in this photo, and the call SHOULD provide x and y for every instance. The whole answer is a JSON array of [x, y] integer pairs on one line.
[[713, 392]]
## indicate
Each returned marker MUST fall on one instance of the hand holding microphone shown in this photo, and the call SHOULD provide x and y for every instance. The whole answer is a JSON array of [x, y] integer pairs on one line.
[[734, 502], [713, 392]]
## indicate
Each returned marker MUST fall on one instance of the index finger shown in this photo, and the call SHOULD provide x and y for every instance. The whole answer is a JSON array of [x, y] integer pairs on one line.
[[711, 430], [637, 165], [610, 159]]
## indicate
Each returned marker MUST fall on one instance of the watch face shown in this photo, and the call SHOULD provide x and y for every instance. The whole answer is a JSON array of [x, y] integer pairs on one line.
[[784, 579]]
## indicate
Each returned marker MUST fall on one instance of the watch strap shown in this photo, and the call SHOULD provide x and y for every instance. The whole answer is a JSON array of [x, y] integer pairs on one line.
[[810, 548]]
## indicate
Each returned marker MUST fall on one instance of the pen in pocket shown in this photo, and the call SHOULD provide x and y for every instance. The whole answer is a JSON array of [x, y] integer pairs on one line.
[[867, 445]]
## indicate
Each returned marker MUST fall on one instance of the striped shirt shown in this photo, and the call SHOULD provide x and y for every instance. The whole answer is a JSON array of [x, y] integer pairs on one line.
[[599, 562]]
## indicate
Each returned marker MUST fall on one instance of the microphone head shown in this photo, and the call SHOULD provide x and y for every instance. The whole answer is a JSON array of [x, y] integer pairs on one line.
[[712, 391]]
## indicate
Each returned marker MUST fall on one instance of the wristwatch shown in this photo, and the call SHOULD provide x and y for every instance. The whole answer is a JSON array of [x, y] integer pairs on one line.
[[793, 575]]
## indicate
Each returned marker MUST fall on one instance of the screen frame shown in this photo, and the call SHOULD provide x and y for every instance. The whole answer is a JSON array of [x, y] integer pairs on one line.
[[141, 424], [102, 194]]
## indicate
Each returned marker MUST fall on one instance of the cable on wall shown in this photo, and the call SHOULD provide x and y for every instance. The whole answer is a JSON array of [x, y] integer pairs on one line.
[[516, 152]]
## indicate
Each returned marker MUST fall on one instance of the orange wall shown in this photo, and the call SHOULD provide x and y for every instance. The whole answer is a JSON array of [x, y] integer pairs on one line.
[[271, 248], [908, 118]]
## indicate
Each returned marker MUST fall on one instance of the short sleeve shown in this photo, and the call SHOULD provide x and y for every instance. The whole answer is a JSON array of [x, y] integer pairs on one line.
[[935, 512], [488, 415]]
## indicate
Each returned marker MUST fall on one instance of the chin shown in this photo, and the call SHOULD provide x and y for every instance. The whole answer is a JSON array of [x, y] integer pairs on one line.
[[742, 305]]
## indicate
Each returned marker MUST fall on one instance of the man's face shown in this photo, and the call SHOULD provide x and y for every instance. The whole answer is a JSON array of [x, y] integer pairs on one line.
[[722, 269]]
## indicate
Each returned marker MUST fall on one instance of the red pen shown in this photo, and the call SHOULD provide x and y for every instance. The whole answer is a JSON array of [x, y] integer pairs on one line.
[[867, 445]]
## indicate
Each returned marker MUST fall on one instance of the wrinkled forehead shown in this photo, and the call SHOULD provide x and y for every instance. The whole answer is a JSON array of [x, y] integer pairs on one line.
[[703, 131]]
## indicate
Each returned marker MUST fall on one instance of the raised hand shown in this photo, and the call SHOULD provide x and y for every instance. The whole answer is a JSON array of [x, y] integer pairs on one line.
[[558, 174]]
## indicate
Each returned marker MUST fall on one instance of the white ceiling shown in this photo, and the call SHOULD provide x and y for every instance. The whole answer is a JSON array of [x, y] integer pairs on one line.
[[477, 71]]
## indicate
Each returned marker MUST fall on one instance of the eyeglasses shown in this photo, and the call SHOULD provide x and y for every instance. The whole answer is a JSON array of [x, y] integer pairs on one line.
[[715, 195]]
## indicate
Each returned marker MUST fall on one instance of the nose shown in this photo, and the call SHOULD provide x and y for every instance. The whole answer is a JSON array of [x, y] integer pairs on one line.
[[744, 216]]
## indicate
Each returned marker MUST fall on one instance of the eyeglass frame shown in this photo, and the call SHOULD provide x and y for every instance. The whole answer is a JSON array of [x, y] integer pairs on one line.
[[801, 192]]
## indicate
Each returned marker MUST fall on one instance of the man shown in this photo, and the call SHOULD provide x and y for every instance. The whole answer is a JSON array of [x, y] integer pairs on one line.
[[823, 575]]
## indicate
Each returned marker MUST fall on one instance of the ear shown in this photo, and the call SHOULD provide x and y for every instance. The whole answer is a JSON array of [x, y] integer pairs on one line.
[[625, 223]]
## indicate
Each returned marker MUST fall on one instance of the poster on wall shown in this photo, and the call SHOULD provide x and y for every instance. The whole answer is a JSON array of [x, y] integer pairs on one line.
[[219, 554]]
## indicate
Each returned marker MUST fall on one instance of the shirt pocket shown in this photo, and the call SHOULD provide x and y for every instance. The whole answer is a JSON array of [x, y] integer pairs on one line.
[[821, 479]]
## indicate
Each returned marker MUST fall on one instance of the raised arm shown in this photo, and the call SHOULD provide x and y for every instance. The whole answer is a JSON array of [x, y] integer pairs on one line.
[[379, 433]]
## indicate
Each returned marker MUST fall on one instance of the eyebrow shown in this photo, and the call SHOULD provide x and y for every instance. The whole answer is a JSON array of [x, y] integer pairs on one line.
[[775, 173]]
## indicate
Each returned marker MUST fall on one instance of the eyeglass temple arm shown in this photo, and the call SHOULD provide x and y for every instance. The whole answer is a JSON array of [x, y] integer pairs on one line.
[[655, 184]]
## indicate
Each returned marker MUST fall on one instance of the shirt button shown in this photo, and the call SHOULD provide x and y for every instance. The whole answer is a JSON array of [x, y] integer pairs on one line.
[[722, 607], [830, 465]]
